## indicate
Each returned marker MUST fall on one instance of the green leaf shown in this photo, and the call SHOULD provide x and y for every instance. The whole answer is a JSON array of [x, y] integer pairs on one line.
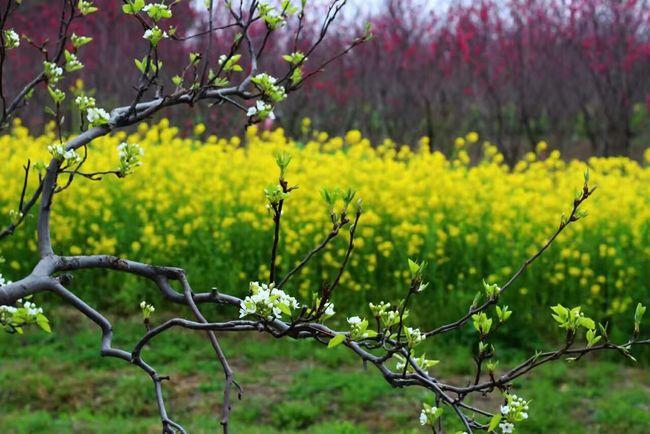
[[592, 338], [639, 312], [558, 319], [560, 310], [370, 334], [43, 323], [494, 422], [221, 82], [140, 65], [414, 267], [336, 340], [195, 58], [587, 323], [285, 309]]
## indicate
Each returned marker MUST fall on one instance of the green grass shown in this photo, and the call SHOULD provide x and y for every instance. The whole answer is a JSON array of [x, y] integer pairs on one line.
[[58, 384]]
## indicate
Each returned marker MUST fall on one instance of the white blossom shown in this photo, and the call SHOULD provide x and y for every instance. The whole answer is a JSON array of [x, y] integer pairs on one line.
[[506, 427], [84, 102], [59, 152], [8, 309], [72, 62], [267, 301], [12, 40], [97, 116], [265, 77], [24, 313], [147, 309], [329, 310], [354, 320], [267, 84], [415, 336], [32, 309], [130, 154], [53, 72], [155, 35], [157, 11], [429, 414], [423, 418], [262, 110]]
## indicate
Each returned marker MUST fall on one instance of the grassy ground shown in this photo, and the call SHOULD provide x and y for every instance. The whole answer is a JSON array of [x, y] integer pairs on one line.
[[58, 384]]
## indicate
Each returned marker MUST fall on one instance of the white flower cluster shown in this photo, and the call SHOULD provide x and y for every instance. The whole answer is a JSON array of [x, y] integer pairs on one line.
[[272, 94], [147, 309], [270, 16], [15, 216], [86, 7], [72, 62], [329, 310], [413, 336], [157, 11], [354, 321], [267, 301], [12, 40], [387, 316], [267, 84], [390, 317], [78, 41], [130, 154], [8, 309], [60, 153], [97, 116], [359, 328], [155, 35], [262, 110], [53, 72], [31, 308], [379, 309], [422, 362], [229, 63], [85, 102], [13, 318], [27, 311], [429, 414], [514, 410]]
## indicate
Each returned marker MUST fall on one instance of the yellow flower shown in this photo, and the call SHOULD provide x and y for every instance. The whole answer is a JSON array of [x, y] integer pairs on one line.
[[353, 137], [472, 137], [200, 201], [199, 129]]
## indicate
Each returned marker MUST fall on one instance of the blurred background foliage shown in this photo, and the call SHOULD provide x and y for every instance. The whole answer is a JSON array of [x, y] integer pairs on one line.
[[573, 72]]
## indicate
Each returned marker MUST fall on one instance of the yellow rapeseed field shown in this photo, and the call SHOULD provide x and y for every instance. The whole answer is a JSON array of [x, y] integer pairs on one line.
[[198, 202]]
